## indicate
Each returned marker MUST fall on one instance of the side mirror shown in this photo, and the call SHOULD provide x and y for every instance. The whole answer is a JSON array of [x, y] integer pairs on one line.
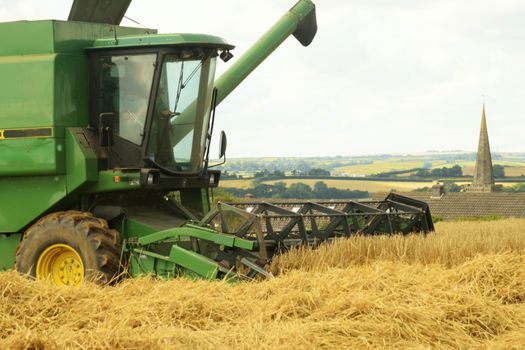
[[223, 144], [106, 125]]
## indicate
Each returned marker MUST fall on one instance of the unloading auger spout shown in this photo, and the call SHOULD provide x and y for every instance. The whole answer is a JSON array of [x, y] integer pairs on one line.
[[300, 22]]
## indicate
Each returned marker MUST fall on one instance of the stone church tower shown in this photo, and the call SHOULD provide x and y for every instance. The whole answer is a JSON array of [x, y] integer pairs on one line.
[[484, 175]]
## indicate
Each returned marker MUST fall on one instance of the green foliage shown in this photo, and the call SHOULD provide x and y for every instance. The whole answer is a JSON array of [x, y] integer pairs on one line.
[[515, 188], [450, 186], [454, 171], [220, 195], [423, 189], [318, 172], [436, 219], [499, 170], [491, 217], [295, 191], [230, 176]]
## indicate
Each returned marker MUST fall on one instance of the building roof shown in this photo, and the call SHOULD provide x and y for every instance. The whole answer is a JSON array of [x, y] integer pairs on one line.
[[454, 205]]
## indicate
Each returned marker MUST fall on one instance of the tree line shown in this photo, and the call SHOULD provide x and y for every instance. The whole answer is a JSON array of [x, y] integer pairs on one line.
[[298, 190]]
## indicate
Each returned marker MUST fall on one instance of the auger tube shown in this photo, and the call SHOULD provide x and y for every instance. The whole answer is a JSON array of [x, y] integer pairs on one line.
[[299, 21]]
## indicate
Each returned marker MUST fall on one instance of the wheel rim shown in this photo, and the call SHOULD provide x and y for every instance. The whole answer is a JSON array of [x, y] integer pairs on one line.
[[60, 264]]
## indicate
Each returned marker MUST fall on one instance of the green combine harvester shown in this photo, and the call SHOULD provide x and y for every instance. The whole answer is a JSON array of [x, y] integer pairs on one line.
[[105, 135]]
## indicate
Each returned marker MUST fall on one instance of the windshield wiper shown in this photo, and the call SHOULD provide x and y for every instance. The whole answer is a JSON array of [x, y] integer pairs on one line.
[[179, 87], [183, 85], [191, 75]]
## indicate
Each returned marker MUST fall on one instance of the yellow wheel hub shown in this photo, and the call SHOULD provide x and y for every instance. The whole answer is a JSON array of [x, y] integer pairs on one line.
[[60, 264]]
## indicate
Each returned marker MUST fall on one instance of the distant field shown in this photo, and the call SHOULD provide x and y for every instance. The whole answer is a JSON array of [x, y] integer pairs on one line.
[[512, 168], [361, 185], [236, 183], [386, 166]]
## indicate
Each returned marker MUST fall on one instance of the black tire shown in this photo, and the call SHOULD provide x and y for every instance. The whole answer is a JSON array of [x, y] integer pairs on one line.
[[97, 245]]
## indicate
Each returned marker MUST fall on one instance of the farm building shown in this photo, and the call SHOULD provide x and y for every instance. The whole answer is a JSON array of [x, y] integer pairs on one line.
[[454, 205]]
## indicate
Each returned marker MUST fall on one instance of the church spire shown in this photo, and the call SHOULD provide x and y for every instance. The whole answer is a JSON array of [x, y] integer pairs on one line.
[[484, 175]]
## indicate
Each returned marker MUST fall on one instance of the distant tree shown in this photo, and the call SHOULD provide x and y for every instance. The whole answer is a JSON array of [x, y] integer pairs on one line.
[[321, 190], [278, 173], [451, 187], [454, 171], [262, 191], [262, 173], [499, 170], [437, 171], [299, 190], [296, 190], [318, 172], [278, 189], [427, 165], [422, 173]]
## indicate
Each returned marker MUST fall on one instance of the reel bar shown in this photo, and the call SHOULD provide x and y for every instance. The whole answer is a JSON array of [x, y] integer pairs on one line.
[[285, 224]]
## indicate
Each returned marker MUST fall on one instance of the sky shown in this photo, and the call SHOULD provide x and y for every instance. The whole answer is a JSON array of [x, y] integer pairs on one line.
[[381, 76]]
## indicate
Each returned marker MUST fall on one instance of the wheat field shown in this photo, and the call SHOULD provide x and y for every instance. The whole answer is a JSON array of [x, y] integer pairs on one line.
[[462, 287]]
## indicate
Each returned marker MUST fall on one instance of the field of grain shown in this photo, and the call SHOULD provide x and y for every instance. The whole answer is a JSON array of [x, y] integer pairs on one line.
[[512, 168], [243, 183], [460, 288]]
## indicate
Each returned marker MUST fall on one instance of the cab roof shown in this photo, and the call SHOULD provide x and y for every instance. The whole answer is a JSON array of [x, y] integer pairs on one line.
[[147, 40]]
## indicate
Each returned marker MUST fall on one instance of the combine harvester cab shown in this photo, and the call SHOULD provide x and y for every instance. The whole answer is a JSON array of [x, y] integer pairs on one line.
[[104, 151]]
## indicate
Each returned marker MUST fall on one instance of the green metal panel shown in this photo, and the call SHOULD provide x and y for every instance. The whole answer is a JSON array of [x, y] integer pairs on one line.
[[162, 39], [180, 260], [24, 37], [8, 244], [26, 92], [195, 262], [127, 180], [197, 199], [131, 228], [43, 91], [32, 156], [70, 91], [51, 36], [197, 232], [82, 164], [144, 262], [24, 199]]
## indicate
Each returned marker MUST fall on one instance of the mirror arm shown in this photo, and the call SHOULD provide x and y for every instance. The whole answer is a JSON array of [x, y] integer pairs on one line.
[[218, 164]]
